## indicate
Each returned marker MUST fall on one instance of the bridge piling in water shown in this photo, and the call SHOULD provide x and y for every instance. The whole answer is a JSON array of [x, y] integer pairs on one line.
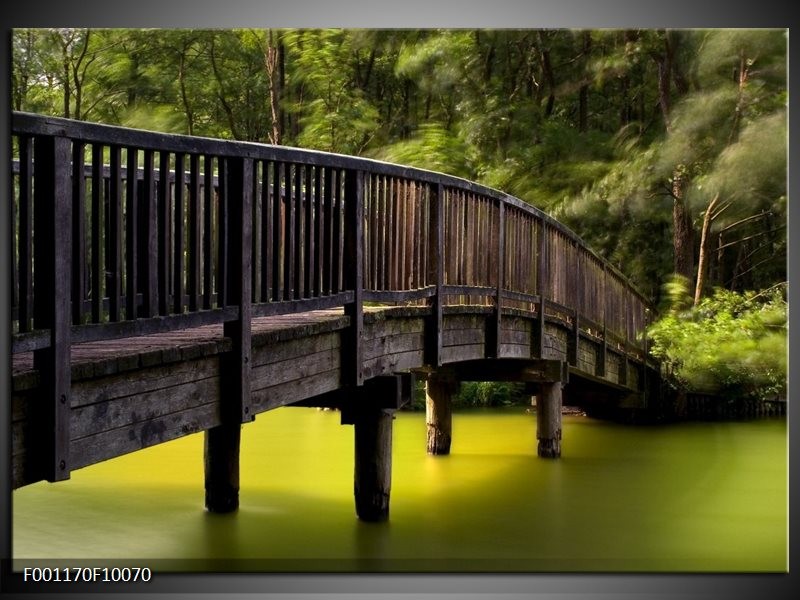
[[439, 390], [373, 463], [548, 420], [222, 467]]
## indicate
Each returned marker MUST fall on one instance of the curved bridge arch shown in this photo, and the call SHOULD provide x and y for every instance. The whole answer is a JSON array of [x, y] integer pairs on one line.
[[262, 258]]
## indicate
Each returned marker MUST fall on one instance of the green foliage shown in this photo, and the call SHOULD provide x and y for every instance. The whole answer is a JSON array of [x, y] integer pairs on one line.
[[490, 394], [730, 343], [478, 394]]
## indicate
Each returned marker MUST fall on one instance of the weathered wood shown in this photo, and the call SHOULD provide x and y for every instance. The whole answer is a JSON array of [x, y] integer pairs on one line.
[[208, 230], [98, 248], [91, 419], [392, 363], [548, 420], [292, 369], [373, 464], [164, 220], [439, 390], [433, 330], [78, 234], [51, 310], [352, 357], [221, 454], [294, 391], [236, 367], [116, 442], [114, 236]]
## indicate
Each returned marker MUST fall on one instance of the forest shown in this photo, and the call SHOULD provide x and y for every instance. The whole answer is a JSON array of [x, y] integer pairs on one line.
[[665, 150]]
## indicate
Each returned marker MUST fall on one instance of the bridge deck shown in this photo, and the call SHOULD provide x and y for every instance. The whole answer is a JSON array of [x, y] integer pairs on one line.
[[131, 393]]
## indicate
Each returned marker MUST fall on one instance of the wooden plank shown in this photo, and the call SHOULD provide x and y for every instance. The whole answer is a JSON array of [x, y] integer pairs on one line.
[[515, 350], [123, 412], [292, 349], [459, 337], [460, 353], [393, 363], [278, 233], [147, 380], [52, 280], [116, 442], [393, 344], [302, 367], [295, 391]]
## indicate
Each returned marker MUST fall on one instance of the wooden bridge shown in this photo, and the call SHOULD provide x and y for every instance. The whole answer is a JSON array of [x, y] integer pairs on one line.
[[165, 285]]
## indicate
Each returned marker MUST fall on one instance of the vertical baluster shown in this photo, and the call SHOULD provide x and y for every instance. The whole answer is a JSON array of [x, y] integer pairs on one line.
[[97, 233], [319, 235], [328, 248], [148, 239], [114, 234], [278, 214], [308, 233], [338, 252], [267, 220], [131, 232], [78, 233], [25, 233], [178, 272], [208, 195], [223, 235], [194, 233]]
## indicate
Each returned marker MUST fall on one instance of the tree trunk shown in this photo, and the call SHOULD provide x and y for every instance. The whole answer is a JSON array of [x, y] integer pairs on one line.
[[705, 249], [683, 233]]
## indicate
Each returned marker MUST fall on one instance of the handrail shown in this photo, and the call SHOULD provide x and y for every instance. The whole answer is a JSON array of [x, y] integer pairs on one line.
[[153, 253]]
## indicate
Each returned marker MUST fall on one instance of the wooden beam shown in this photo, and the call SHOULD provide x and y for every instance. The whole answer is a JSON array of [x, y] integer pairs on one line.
[[236, 364], [52, 280], [352, 360], [433, 327]]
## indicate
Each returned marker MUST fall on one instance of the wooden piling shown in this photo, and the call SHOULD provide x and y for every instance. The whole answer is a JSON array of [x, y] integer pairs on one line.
[[222, 467], [438, 414], [373, 464], [548, 420]]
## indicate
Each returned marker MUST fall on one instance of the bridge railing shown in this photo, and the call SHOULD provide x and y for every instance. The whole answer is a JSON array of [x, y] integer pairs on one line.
[[147, 232]]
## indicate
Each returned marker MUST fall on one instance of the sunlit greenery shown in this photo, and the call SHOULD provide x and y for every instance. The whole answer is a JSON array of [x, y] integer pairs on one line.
[[730, 343]]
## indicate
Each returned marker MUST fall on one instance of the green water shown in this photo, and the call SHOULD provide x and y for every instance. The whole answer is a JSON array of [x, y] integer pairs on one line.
[[687, 497]]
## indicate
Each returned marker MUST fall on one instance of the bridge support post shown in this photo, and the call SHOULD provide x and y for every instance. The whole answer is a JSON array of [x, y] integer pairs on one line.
[[373, 472], [222, 467], [548, 419], [439, 391]]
